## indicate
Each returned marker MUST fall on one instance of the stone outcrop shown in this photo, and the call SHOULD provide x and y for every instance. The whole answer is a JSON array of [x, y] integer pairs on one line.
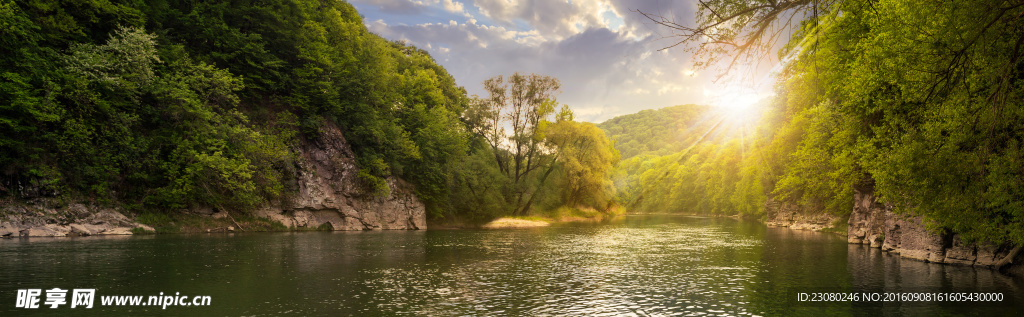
[[44, 218], [909, 237], [875, 224], [867, 221], [780, 214], [329, 192]]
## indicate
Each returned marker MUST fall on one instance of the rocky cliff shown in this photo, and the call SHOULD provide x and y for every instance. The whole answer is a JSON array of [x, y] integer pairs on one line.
[[327, 192], [49, 218], [786, 215], [875, 224]]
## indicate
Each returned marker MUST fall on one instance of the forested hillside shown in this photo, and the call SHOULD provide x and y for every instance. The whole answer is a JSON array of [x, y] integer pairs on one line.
[[920, 105], [168, 104], [685, 159], [164, 105], [659, 132]]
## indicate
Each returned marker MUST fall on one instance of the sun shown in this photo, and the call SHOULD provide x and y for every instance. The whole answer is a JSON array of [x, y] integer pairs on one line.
[[736, 101]]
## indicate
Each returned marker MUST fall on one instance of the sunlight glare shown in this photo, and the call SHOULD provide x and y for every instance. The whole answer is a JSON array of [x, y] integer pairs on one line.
[[735, 100]]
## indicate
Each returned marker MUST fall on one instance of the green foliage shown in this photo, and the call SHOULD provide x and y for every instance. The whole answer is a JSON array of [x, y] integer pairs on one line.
[[658, 132], [585, 157], [376, 185], [480, 189], [920, 103], [170, 104], [161, 222], [140, 230], [697, 162], [512, 121], [943, 84], [521, 162]]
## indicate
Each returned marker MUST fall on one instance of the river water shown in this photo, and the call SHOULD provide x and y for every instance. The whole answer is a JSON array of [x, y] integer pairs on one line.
[[637, 265]]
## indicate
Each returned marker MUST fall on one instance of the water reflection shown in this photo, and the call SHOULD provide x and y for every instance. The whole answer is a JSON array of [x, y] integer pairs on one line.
[[877, 271], [640, 265]]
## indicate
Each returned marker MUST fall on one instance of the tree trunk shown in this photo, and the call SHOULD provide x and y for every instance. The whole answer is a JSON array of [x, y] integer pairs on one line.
[[1008, 258]]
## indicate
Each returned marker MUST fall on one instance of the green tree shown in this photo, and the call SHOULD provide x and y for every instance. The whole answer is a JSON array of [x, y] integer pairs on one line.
[[917, 101], [200, 102], [586, 157], [514, 114]]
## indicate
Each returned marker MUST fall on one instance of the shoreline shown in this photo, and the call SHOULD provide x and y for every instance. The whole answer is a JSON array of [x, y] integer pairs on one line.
[[78, 220], [515, 222]]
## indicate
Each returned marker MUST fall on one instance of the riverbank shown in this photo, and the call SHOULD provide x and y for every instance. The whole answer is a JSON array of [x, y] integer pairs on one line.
[[876, 225], [53, 218], [560, 215], [48, 217], [510, 222], [588, 270], [796, 217], [507, 222]]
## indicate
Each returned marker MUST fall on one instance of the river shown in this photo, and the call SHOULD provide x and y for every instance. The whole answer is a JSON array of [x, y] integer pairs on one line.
[[639, 265]]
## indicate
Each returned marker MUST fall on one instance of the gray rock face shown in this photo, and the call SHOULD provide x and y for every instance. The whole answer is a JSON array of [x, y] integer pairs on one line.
[[39, 218], [911, 239], [874, 223], [329, 192], [867, 221], [960, 253], [792, 216], [988, 254]]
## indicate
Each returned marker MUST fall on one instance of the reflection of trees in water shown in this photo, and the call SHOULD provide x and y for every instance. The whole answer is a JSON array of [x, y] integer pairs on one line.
[[792, 259], [588, 270], [873, 270], [637, 266], [796, 260]]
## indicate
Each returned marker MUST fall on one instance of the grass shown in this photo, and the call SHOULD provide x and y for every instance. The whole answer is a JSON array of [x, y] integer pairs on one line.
[[563, 214], [530, 218], [193, 223], [140, 230], [567, 214], [570, 214], [516, 223]]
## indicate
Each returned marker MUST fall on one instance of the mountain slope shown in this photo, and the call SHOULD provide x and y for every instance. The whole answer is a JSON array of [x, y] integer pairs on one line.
[[660, 132]]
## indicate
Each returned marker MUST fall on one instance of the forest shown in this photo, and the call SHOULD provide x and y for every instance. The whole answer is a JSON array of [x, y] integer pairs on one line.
[[161, 106], [918, 103], [689, 159], [165, 105]]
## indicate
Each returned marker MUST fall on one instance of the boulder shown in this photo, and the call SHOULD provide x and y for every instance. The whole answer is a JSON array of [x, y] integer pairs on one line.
[[46, 218], [117, 231], [8, 229], [875, 240], [82, 229], [48, 230], [220, 214]]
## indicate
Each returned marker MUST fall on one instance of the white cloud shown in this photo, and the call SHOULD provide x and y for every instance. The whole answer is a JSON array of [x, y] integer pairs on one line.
[[553, 19], [411, 7], [602, 51], [453, 6]]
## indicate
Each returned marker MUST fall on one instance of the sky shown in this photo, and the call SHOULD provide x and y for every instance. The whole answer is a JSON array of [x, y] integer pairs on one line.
[[608, 57]]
